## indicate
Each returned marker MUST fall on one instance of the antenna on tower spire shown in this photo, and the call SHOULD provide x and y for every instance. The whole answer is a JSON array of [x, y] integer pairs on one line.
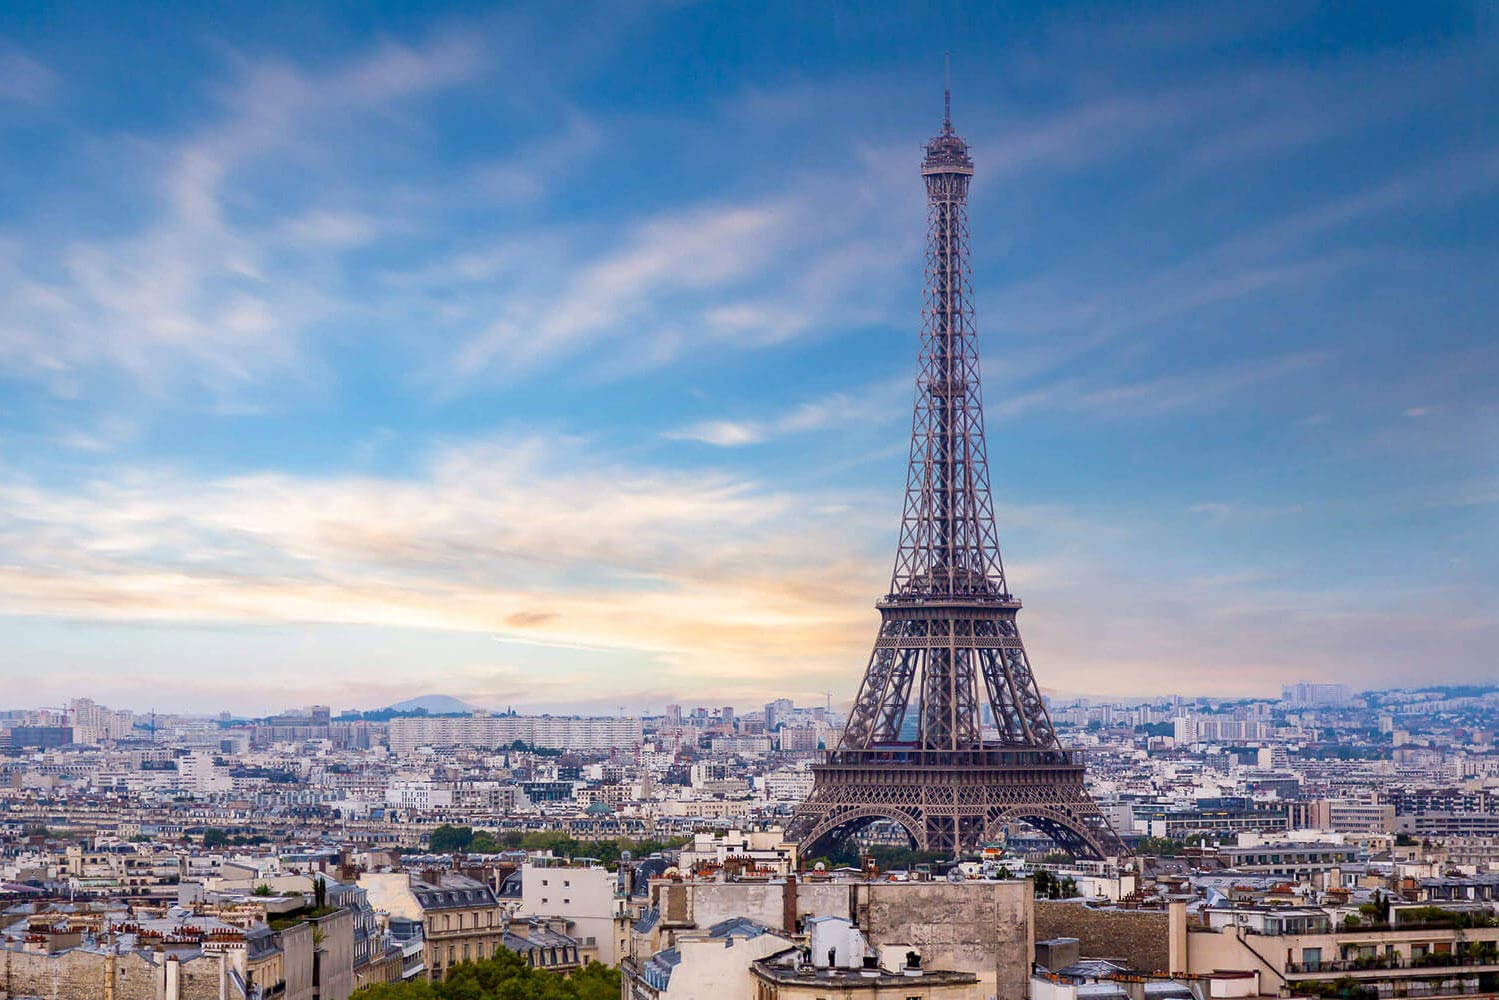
[[947, 91]]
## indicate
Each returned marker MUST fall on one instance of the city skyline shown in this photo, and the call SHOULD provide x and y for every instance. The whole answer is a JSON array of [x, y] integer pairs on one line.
[[353, 367]]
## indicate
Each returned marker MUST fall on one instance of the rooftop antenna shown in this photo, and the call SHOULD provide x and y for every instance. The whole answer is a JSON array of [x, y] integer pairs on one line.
[[947, 92]]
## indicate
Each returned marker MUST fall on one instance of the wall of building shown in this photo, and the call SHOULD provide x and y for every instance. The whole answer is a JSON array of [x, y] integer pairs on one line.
[[702, 904], [583, 896], [297, 947], [905, 991], [1207, 951], [80, 975], [335, 955], [1137, 936], [980, 927], [708, 970]]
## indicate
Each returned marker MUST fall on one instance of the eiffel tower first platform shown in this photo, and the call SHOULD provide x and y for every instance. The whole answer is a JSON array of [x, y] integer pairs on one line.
[[916, 750]]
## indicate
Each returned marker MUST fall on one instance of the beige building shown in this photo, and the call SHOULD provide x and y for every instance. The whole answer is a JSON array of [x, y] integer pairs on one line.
[[840, 962], [975, 926], [585, 898], [1298, 950], [781, 980], [712, 962], [461, 918], [1352, 816]]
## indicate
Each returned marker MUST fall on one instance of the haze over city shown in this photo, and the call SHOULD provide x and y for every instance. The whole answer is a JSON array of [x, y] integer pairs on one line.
[[567, 363]]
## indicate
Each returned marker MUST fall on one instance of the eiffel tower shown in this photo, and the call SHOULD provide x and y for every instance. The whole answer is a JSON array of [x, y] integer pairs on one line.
[[948, 633]]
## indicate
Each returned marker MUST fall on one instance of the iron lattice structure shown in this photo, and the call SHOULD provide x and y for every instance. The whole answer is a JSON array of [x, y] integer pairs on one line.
[[948, 630]]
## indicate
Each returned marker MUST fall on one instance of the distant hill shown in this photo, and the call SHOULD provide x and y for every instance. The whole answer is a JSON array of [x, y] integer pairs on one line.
[[432, 704]]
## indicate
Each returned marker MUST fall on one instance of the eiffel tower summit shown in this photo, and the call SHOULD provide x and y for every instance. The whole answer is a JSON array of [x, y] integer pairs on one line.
[[916, 750]]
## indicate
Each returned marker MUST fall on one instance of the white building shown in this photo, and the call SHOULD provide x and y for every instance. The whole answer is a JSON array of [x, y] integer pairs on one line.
[[587, 899], [553, 732]]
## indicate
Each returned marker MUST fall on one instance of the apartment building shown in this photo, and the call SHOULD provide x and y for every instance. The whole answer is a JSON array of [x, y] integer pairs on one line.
[[491, 731], [1299, 950], [586, 899], [461, 918]]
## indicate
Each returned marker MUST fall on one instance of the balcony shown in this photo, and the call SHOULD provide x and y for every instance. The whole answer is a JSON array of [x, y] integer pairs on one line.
[[1376, 965]]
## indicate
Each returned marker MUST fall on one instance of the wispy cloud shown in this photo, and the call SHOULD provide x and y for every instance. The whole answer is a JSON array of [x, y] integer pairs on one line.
[[712, 247], [873, 404], [202, 288], [24, 80], [1162, 394], [530, 538]]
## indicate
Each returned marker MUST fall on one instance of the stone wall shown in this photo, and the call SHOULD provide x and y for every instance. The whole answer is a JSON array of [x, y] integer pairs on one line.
[[978, 927], [81, 974], [1138, 937]]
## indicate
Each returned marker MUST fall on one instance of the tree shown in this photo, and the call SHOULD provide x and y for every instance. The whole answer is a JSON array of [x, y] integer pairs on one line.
[[1163, 846], [214, 837], [446, 839], [505, 977]]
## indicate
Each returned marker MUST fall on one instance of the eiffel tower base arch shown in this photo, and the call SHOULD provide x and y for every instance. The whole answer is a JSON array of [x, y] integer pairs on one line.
[[954, 808]]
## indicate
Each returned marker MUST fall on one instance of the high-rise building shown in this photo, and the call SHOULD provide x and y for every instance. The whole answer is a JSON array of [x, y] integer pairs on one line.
[[777, 712], [1310, 695]]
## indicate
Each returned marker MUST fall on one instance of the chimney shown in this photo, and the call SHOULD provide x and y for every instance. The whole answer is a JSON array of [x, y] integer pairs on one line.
[[1176, 936], [172, 983], [788, 905]]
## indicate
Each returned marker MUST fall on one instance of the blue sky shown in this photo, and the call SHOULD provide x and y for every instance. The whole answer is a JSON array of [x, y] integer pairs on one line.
[[557, 360]]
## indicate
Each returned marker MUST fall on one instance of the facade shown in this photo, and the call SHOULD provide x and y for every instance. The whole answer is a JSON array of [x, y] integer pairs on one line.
[[543, 945], [785, 977], [1289, 859], [1210, 729], [498, 731], [586, 899], [1218, 821], [1352, 816], [1299, 951], [185, 958], [460, 917], [714, 962], [983, 927]]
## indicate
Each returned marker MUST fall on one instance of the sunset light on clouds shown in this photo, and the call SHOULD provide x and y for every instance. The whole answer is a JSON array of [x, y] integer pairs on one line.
[[573, 368]]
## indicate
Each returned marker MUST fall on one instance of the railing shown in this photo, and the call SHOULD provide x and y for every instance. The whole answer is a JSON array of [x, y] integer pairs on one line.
[[1018, 757], [1397, 991], [1394, 962]]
